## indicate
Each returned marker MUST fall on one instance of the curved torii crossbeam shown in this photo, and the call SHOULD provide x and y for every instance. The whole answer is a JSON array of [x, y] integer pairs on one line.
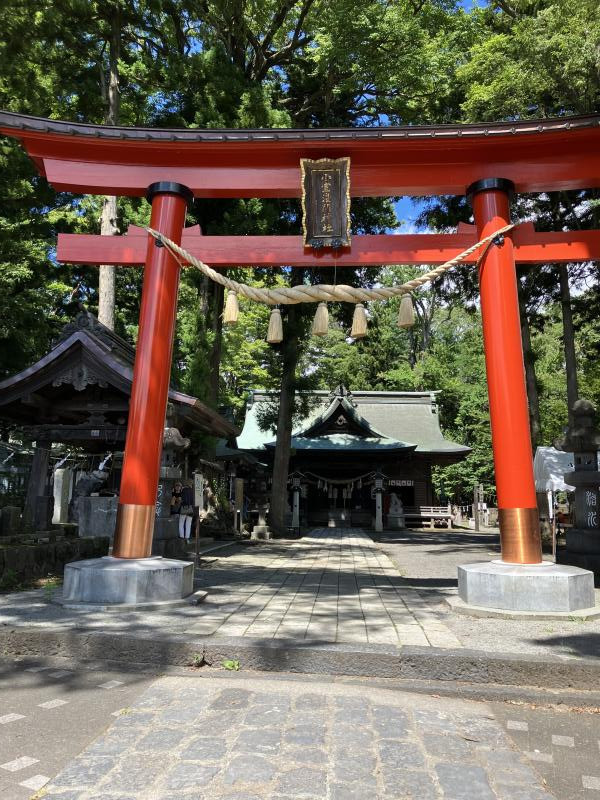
[[488, 162]]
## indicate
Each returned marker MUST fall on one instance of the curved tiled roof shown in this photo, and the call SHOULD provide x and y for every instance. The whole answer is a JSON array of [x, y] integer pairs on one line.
[[399, 417], [86, 340], [26, 123], [347, 442]]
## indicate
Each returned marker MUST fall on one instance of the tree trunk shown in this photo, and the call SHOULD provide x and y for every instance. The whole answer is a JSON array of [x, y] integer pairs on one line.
[[530, 376], [568, 339], [108, 223], [106, 282], [283, 441], [217, 342]]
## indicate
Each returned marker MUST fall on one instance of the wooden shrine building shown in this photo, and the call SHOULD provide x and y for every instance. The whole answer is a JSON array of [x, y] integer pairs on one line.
[[347, 440], [78, 394]]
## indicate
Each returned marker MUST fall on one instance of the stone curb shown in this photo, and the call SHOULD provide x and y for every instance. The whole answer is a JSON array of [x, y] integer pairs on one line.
[[376, 661], [483, 692], [465, 609]]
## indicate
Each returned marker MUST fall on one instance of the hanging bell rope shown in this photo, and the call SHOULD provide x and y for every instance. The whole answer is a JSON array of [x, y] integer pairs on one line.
[[322, 292]]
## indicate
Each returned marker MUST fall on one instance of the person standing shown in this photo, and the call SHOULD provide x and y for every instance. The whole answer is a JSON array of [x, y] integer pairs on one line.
[[186, 512], [176, 497]]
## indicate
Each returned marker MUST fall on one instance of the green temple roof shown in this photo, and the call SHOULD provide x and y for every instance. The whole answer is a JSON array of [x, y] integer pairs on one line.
[[346, 441], [382, 421]]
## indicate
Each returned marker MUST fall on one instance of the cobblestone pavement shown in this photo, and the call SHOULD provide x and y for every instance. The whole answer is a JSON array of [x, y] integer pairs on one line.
[[333, 586], [277, 740]]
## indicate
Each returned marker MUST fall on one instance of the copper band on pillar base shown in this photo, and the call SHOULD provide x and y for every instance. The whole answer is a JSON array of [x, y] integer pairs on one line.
[[133, 532], [520, 535]]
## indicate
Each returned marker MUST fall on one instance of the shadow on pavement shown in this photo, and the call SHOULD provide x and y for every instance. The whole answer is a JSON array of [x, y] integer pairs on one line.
[[72, 678], [583, 644], [444, 541]]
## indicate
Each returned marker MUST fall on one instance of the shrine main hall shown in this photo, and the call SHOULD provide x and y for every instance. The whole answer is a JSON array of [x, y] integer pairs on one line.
[[346, 441]]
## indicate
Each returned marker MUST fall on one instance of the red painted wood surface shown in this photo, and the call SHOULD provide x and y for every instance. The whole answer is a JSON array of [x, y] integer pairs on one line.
[[371, 180], [509, 415], [273, 251], [152, 368], [389, 163]]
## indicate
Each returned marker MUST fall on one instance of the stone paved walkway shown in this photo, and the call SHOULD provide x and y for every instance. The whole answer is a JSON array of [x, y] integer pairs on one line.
[[332, 586], [277, 740]]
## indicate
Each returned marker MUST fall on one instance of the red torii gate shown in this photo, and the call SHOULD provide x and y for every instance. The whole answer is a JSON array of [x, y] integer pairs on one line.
[[487, 162]]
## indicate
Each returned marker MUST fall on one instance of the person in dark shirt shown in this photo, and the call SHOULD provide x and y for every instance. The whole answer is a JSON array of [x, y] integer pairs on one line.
[[176, 498]]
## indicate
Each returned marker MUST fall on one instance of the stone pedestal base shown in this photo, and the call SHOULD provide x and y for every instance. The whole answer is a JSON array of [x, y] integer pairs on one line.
[[526, 587], [585, 541], [261, 532], [166, 541], [140, 582], [583, 550], [396, 521]]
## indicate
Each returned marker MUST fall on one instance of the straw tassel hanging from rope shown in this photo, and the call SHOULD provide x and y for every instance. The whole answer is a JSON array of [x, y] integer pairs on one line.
[[232, 308], [359, 322], [323, 293], [406, 314], [320, 326], [275, 331]]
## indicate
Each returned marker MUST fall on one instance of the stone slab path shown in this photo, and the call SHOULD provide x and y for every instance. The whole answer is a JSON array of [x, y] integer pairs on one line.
[[331, 586], [277, 740]]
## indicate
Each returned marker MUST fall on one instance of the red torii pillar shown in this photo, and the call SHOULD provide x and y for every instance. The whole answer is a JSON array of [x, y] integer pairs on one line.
[[151, 374], [511, 440]]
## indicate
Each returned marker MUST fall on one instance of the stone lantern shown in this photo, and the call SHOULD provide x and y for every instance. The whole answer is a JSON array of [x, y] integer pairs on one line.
[[582, 438]]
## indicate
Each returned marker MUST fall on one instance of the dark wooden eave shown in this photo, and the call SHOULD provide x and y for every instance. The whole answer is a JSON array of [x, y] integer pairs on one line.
[[110, 365]]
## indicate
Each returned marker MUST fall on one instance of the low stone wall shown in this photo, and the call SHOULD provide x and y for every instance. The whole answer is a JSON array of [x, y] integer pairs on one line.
[[36, 560]]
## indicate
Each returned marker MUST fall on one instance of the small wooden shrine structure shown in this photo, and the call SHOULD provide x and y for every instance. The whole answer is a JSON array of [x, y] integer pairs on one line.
[[78, 395]]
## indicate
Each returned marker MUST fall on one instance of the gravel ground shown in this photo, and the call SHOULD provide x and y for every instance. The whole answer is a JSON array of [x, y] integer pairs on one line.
[[428, 561]]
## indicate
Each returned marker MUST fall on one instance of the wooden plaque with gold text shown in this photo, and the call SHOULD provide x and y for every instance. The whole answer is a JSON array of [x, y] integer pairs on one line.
[[326, 202]]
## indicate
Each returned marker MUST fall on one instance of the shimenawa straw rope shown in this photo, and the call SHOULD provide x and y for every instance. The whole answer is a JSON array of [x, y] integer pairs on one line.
[[321, 292]]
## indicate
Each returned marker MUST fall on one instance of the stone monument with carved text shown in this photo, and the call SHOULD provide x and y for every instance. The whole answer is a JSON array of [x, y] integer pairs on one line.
[[582, 438]]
